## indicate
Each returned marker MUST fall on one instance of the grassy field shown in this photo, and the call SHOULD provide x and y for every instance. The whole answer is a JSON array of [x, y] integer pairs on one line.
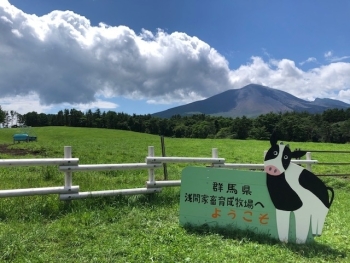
[[143, 228]]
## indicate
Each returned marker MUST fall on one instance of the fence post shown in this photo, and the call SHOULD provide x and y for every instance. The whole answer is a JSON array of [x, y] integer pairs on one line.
[[68, 175], [151, 176], [214, 153], [308, 157], [163, 154]]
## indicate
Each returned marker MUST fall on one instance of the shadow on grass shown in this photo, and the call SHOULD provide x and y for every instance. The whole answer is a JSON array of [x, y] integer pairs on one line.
[[310, 250]]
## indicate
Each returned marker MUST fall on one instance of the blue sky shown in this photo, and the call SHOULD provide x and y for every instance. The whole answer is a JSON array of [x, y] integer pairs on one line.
[[146, 56]]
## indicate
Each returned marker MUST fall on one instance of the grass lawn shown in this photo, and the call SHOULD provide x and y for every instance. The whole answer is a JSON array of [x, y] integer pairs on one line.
[[143, 228]]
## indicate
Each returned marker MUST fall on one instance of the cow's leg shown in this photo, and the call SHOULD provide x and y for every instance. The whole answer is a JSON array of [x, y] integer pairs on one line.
[[282, 218], [318, 216], [302, 225]]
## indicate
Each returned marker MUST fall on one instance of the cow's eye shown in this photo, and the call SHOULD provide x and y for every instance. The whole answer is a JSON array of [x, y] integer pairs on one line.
[[275, 153], [285, 157]]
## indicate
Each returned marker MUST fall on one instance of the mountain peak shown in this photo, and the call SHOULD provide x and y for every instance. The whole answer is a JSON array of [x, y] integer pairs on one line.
[[251, 100], [330, 103]]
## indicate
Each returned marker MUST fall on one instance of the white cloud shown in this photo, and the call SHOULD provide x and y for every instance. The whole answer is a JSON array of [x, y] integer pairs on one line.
[[311, 59], [323, 82], [345, 94], [23, 104], [336, 59], [331, 58], [264, 50], [328, 54], [187, 98], [97, 104], [30, 102], [61, 59]]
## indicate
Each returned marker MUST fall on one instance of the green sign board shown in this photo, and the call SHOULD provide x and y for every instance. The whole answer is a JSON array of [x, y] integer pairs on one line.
[[229, 198]]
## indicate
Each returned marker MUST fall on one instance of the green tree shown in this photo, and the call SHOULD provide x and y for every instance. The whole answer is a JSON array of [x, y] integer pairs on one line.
[[345, 130], [32, 119], [224, 133], [76, 117], [89, 118], [97, 121], [203, 129], [66, 117], [43, 120], [111, 120], [2, 115], [241, 127], [259, 133], [60, 118]]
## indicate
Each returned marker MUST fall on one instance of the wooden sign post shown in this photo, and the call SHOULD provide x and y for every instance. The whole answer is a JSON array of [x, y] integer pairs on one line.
[[231, 199]]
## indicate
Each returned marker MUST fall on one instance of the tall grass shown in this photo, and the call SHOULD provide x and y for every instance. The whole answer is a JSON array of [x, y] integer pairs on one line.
[[143, 228]]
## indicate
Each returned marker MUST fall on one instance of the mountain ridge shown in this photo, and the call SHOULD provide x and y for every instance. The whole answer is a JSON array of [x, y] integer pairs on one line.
[[251, 100]]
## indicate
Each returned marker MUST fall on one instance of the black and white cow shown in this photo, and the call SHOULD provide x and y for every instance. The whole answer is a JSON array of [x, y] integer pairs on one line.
[[295, 189]]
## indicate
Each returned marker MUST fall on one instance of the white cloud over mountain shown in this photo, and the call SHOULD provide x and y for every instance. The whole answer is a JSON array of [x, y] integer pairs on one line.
[[61, 58], [327, 81]]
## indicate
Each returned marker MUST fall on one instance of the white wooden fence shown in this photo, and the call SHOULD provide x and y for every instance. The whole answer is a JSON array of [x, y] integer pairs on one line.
[[68, 165]]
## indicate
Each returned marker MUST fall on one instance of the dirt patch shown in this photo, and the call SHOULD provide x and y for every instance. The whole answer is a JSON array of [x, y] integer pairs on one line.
[[5, 149]]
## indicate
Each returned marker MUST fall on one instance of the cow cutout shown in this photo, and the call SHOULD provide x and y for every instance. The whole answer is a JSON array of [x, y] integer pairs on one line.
[[295, 189]]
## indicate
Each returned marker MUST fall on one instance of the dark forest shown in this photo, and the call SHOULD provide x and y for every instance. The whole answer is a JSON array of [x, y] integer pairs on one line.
[[330, 126]]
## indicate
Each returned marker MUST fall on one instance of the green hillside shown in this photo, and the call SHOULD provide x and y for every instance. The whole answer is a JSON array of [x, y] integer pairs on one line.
[[142, 228]]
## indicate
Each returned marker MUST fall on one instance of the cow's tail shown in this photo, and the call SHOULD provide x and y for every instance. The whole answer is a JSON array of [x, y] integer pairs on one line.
[[332, 197]]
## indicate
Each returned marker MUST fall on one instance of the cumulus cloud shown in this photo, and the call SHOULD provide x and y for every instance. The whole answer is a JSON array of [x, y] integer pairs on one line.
[[60, 58], [327, 81], [63, 58], [31, 102], [97, 104], [345, 94], [23, 104]]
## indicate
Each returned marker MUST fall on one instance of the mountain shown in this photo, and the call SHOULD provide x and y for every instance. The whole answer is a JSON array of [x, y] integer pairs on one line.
[[331, 103], [251, 101]]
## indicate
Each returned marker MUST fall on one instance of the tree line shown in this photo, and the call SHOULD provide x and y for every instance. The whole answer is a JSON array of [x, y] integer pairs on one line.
[[332, 125]]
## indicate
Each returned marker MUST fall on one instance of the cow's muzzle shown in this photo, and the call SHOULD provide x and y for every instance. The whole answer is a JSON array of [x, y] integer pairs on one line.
[[272, 170]]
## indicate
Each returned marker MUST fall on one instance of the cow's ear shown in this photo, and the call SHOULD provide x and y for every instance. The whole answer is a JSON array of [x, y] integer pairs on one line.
[[273, 138], [298, 154]]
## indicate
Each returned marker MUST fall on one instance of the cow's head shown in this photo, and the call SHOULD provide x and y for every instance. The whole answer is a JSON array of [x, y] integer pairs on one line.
[[278, 157]]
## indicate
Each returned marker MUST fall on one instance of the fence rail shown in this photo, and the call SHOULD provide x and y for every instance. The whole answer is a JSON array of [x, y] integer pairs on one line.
[[68, 165], [46, 161], [184, 160], [39, 191], [341, 175], [325, 151], [107, 167], [133, 191]]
